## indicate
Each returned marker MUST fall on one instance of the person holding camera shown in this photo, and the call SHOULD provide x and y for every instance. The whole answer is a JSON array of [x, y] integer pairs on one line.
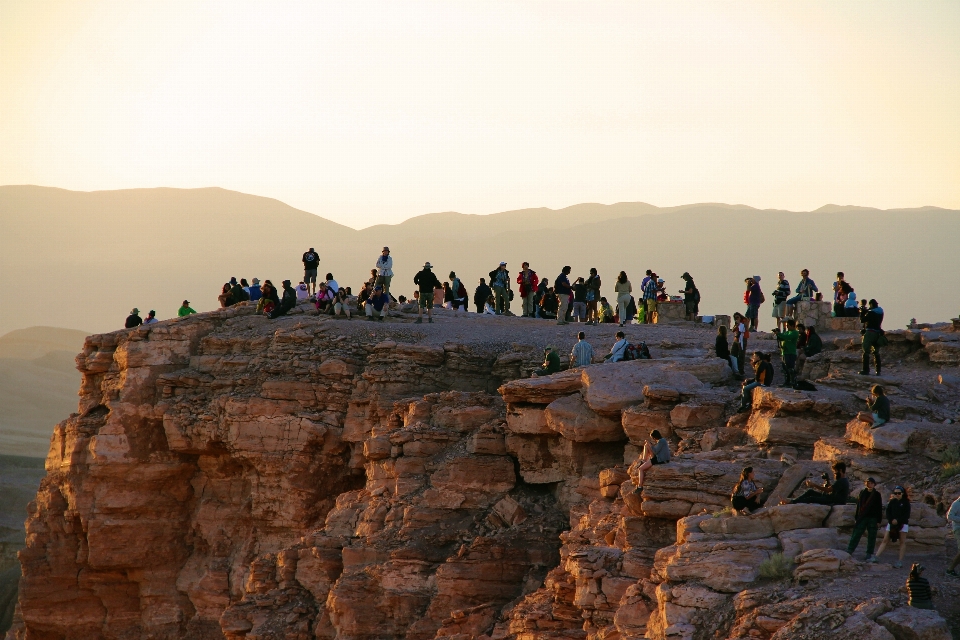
[[825, 492], [787, 341]]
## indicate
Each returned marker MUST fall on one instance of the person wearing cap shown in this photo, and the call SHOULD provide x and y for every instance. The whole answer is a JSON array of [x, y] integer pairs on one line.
[[311, 260], [551, 362], [426, 281], [384, 270], [582, 353], [151, 317], [919, 594], [528, 281], [868, 515], [375, 304], [691, 296], [255, 293], [500, 282], [134, 319], [898, 519], [185, 309], [287, 302]]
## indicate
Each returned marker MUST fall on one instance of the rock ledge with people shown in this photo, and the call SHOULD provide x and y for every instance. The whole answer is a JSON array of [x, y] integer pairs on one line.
[[289, 472]]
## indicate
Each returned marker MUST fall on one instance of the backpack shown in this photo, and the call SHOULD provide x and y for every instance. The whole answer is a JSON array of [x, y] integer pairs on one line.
[[636, 352], [696, 295], [645, 352], [461, 290], [803, 385]]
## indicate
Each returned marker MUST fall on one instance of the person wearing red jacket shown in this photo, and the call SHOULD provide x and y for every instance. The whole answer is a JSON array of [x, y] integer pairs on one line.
[[528, 281]]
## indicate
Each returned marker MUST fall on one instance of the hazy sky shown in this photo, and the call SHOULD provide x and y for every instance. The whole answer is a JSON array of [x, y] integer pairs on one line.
[[367, 112]]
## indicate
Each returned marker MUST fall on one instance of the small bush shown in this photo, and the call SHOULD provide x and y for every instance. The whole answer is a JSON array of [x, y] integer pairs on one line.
[[951, 462], [726, 511], [776, 567]]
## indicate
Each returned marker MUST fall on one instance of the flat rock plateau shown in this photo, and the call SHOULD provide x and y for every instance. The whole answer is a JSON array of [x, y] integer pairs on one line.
[[230, 476]]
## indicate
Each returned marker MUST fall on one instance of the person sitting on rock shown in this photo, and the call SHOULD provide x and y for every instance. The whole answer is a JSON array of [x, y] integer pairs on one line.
[[375, 304], [287, 302], [582, 353], [814, 343], [656, 450], [606, 311], [762, 376], [618, 349], [185, 309], [898, 518], [746, 495], [918, 588], [324, 298], [151, 317], [489, 307], [879, 406], [549, 304], [825, 492], [340, 304], [303, 292], [722, 348], [850, 306], [868, 515], [134, 319], [225, 298], [551, 363]]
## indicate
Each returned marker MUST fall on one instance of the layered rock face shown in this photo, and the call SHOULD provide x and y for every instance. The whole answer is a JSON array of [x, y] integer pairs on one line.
[[227, 476]]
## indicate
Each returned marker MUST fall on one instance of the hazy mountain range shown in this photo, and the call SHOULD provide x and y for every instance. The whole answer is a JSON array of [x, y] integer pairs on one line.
[[39, 382], [82, 260]]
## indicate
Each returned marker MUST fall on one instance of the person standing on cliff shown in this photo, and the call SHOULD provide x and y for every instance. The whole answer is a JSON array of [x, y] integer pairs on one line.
[[384, 270], [561, 286], [500, 281], [311, 260], [649, 292], [754, 298], [691, 297], [426, 281], [593, 297], [185, 309], [134, 319], [528, 281], [873, 338], [780, 295], [868, 515]]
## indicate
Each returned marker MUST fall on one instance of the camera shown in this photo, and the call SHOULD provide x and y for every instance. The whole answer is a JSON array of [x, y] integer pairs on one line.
[[825, 477]]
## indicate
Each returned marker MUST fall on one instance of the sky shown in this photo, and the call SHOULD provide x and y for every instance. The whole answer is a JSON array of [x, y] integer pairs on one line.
[[374, 112]]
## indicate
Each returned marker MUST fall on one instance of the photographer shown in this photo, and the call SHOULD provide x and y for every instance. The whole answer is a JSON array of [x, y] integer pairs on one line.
[[825, 493]]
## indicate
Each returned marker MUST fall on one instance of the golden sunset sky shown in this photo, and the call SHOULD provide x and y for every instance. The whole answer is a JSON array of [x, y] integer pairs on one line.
[[372, 112]]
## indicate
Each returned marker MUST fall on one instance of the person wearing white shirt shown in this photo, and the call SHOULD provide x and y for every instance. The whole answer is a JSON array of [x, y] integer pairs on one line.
[[332, 284], [618, 349], [384, 270]]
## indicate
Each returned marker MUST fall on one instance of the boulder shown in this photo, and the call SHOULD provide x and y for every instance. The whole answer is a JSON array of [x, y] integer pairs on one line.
[[691, 415], [728, 566], [787, 517], [573, 419], [766, 428], [799, 541], [610, 388], [542, 390], [924, 438], [527, 418], [638, 422], [909, 623], [817, 563]]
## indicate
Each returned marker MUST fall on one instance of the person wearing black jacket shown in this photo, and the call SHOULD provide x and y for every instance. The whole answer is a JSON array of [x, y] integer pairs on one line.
[[237, 292], [868, 516], [287, 302], [426, 281], [481, 294], [873, 338], [134, 319], [814, 344], [763, 376], [898, 518]]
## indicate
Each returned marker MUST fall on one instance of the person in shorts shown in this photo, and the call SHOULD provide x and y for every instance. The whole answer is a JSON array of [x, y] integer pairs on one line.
[[780, 295], [311, 260]]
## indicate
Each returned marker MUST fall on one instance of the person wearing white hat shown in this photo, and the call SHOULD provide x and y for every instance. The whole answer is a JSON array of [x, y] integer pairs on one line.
[[384, 270], [426, 281], [134, 319]]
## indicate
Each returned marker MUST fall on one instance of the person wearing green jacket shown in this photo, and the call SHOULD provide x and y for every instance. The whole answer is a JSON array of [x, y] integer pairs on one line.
[[551, 362], [787, 340], [185, 309]]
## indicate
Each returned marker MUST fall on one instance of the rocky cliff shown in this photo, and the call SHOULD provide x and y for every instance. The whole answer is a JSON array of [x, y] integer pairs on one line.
[[227, 476]]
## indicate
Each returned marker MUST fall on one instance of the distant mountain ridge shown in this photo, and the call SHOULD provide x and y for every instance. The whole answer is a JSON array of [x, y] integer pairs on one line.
[[84, 259]]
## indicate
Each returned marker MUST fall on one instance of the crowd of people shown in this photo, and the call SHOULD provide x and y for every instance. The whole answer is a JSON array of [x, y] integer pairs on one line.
[[579, 300]]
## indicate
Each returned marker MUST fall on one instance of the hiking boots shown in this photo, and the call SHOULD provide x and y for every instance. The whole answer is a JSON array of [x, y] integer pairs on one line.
[[418, 321]]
